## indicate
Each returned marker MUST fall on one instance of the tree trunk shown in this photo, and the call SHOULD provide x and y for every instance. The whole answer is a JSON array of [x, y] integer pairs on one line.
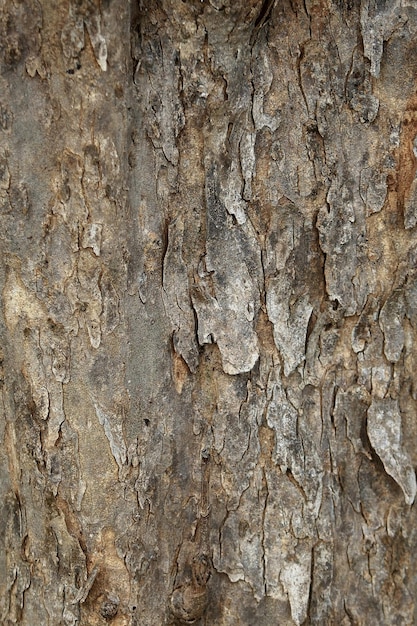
[[208, 234]]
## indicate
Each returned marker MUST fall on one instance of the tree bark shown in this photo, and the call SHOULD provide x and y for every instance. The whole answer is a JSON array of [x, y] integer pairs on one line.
[[208, 276]]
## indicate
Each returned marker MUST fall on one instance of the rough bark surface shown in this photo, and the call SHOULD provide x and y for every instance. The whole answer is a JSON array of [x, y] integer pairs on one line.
[[208, 217]]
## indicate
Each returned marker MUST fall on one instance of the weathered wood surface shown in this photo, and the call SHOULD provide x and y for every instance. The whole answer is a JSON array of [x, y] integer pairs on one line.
[[208, 217]]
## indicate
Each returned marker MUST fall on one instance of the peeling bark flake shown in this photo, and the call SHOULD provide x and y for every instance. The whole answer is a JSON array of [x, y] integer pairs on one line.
[[384, 431]]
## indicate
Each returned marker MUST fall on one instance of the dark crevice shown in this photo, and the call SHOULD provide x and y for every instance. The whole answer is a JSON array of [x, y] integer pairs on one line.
[[265, 13]]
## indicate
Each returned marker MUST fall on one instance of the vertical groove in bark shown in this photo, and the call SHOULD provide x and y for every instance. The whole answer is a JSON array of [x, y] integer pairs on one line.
[[207, 224]]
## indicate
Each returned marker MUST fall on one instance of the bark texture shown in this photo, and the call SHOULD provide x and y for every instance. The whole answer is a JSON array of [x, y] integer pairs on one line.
[[208, 217]]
